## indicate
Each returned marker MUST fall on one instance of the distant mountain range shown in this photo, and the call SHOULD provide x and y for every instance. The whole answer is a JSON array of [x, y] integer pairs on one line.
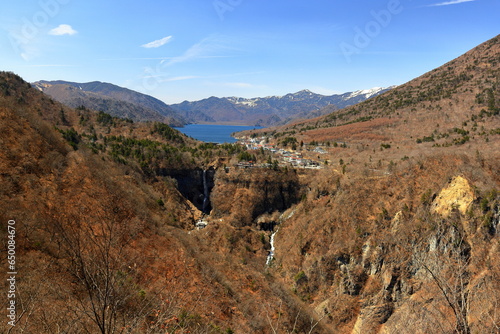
[[397, 233], [272, 110], [266, 111], [114, 100]]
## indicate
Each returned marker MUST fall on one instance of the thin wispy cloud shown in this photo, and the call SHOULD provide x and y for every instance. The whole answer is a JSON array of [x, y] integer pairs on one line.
[[211, 47], [157, 43], [237, 74], [163, 77], [51, 65], [63, 29], [163, 59], [142, 58], [29, 52], [447, 3], [181, 78], [206, 48]]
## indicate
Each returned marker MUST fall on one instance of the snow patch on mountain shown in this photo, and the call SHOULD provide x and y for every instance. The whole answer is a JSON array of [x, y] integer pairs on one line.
[[367, 93], [271, 110]]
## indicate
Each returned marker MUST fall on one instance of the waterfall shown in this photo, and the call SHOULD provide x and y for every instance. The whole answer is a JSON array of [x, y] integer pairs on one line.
[[205, 192], [270, 257], [496, 224]]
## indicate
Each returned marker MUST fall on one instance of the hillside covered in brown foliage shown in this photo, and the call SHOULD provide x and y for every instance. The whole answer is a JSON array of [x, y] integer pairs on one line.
[[451, 105], [397, 233], [105, 239]]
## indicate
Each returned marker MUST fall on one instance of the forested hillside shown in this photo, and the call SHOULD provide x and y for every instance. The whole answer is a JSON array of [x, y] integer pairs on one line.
[[127, 227]]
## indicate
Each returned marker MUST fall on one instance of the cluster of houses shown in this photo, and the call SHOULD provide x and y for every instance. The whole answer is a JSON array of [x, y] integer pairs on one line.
[[290, 157], [320, 150], [256, 144], [297, 160]]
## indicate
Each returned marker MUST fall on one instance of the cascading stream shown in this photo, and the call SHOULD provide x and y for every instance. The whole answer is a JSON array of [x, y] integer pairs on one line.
[[206, 194], [270, 257]]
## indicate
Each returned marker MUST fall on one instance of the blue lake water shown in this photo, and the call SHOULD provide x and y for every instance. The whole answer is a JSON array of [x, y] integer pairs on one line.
[[214, 133]]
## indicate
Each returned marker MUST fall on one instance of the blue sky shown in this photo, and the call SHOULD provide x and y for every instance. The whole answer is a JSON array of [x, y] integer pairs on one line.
[[181, 50]]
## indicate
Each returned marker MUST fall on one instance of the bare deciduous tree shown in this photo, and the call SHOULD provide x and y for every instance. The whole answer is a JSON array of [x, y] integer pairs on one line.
[[446, 262]]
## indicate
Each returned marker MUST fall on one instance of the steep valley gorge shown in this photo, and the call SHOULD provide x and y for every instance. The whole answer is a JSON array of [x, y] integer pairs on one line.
[[131, 227]]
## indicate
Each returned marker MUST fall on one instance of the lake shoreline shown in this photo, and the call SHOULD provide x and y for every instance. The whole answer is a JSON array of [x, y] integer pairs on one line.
[[214, 133]]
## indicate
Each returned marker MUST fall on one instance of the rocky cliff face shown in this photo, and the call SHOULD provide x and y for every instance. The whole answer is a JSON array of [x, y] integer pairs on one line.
[[396, 254], [245, 194], [116, 235], [195, 185], [399, 254]]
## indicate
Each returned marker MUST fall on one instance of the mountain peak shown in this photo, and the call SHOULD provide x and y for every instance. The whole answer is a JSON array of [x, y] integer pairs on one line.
[[367, 92], [115, 100], [271, 110], [465, 87], [303, 92]]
